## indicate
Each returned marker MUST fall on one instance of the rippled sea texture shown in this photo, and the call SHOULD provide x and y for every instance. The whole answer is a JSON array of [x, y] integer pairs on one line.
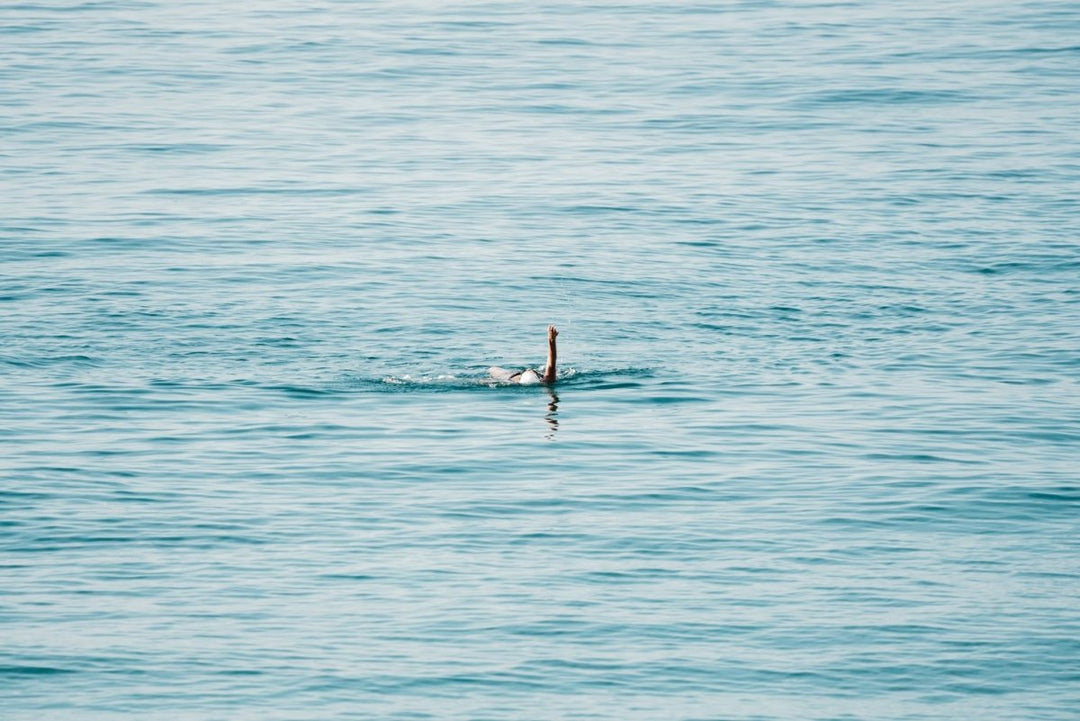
[[814, 452]]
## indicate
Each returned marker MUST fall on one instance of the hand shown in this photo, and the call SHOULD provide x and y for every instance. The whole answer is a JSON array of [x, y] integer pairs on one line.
[[552, 333]]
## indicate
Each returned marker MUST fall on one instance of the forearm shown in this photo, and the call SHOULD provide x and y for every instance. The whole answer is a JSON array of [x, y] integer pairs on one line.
[[549, 369]]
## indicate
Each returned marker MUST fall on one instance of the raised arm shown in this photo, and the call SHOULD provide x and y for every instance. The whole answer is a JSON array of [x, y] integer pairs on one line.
[[549, 368]]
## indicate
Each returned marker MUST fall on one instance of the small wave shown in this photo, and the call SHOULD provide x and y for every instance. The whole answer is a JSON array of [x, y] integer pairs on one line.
[[882, 96], [28, 670], [299, 391], [45, 361]]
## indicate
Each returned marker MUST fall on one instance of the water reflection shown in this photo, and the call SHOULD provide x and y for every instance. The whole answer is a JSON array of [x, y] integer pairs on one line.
[[552, 415]]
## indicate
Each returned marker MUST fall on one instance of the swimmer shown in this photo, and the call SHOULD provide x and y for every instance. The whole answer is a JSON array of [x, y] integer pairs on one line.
[[529, 377]]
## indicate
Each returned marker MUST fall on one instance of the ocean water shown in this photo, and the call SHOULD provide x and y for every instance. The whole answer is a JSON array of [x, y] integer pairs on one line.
[[814, 450]]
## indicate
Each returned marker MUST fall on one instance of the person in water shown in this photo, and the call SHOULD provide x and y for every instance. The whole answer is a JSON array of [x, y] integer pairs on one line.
[[529, 377]]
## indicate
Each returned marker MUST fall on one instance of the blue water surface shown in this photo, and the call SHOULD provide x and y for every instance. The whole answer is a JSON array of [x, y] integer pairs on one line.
[[814, 451]]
